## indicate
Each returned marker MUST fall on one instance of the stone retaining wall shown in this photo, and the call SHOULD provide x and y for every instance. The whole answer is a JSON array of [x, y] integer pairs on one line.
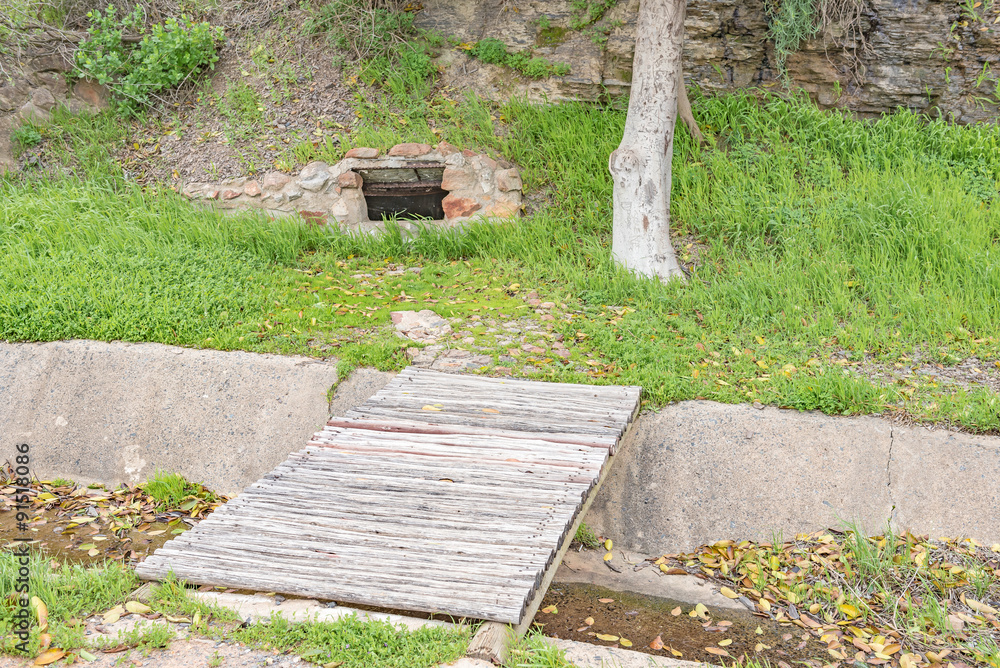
[[478, 188]]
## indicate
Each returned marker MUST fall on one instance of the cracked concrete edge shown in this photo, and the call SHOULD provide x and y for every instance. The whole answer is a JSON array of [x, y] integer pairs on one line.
[[113, 412], [585, 655], [944, 483], [700, 471], [356, 388], [257, 607]]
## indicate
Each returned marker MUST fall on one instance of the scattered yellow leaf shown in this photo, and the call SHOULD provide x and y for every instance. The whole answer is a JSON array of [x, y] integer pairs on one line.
[[608, 556], [728, 593], [49, 656], [726, 643], [137, 607], [981, 607], [849, 610], [606, 637], [625, 643], [607, 545], [41, 612]]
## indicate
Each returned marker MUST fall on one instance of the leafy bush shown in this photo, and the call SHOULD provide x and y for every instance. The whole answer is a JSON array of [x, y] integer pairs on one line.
[[490, 50], [169, 54], [26, 136], [493, 51]]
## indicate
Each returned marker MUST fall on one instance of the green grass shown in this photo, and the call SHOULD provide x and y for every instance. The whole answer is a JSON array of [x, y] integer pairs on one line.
[[586, 536], [357, 643], [170, 490], [70, 592], [822, 242], [532, 651]]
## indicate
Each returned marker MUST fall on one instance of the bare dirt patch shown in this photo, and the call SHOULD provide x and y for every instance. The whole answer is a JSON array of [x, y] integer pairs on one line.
[[270, 90]]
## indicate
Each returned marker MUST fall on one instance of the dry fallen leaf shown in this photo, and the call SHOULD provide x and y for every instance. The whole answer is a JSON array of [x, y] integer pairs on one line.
[[113, 615], [490, 410], [657, 643], [430, 408], [550, 610], [728, 593], [606, 600], [716, 651], [726, 642], [675, 652], [676, 611], [137, 607], [981, 607], [589, 621], [49, 656], [41, 612], [672, 571], [606, 637]]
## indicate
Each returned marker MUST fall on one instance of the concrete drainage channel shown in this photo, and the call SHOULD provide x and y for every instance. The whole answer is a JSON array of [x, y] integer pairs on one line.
[[693, 473]]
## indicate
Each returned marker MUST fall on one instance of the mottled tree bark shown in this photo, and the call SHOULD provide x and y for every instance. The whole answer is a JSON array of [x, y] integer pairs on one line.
[[640, 166]]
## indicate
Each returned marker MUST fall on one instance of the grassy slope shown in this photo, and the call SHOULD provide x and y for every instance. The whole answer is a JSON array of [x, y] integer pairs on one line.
[[825, 239]]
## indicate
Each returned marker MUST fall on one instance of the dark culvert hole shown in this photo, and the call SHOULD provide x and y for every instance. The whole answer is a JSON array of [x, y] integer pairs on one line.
[[407, 193]]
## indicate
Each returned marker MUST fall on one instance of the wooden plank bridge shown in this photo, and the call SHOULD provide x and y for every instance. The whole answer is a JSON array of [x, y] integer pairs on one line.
[[441, 493]]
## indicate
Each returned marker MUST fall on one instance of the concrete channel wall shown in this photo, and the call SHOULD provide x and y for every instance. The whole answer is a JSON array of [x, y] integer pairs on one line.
[[698, 471], [692, 473], [116, 412]]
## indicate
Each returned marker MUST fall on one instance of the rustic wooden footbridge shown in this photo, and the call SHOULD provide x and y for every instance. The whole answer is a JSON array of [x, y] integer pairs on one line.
[[442, 493]]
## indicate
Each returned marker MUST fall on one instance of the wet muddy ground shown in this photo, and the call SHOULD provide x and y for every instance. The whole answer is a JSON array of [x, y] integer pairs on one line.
[[636, 621], [84, 544]]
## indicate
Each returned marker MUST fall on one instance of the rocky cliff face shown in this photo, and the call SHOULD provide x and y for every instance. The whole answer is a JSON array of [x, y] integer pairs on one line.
[[933, 56]]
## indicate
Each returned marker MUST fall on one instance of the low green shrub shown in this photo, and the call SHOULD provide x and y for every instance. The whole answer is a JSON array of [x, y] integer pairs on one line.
[[169, 54], [493, 51], [26, 136]]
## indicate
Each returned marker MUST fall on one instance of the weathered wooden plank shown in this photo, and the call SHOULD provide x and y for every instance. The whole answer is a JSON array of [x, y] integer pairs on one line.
[[425, 427], [528, 536], [471, 443], [414, 375], [502, 421], [324, 587], [422, 545], [455, 511], [347, 559], [501, 473]]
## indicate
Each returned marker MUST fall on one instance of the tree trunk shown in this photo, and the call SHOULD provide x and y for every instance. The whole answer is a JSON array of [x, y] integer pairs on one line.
[[640, 166]]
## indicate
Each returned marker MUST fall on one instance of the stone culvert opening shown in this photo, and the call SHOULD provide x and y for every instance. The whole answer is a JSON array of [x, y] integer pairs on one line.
[[416, 184], [411, 193]]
